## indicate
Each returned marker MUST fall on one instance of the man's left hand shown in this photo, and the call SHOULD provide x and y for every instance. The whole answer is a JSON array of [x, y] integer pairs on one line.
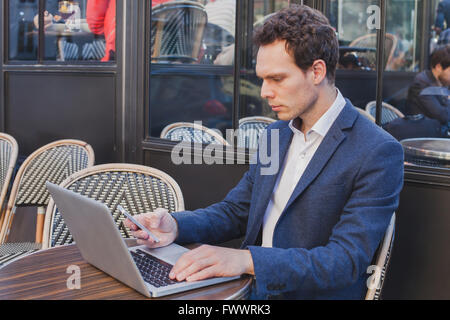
[[209, 261]]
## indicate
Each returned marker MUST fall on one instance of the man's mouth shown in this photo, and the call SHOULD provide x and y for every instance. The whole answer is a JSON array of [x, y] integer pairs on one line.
[[276, 108]]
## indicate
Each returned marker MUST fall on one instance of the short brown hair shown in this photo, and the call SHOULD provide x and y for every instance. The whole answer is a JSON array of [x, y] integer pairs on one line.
[[441, 56], [308, 35]]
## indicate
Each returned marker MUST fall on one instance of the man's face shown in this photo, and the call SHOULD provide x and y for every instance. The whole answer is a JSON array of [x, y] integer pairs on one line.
[[444, 77], [290, 92]]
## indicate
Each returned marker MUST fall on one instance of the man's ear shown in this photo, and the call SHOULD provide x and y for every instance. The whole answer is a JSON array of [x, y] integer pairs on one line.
[[319, 70]]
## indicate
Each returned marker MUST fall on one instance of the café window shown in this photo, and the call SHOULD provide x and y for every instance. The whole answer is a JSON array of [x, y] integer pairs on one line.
[[81, 31], [355, 22], [193, 72]]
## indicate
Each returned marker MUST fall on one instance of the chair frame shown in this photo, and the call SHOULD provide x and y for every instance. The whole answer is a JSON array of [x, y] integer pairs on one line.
[[18, 179], [365, 114], [9, 172], [209, 131], [267, 120], [382, 260], [155, 55], [371, 35], [386, 105], [49, 214]]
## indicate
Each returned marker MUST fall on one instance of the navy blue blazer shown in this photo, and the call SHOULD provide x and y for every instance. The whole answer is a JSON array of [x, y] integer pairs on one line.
[[334, 221]]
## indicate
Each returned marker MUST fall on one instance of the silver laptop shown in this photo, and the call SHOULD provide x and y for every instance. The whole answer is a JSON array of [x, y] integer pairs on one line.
[[100, 243]]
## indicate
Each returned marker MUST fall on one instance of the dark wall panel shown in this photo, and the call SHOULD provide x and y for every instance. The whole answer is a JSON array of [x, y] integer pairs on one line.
[[420, 257], [44, 107], [202, 185]]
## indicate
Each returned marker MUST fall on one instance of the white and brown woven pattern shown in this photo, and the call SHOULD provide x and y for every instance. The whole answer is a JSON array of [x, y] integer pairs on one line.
[[250, 129], [138, 189], [13, 251], [8, 156], [388, 112], [53, 162], [192, 132], [53, 165], [177, 31]]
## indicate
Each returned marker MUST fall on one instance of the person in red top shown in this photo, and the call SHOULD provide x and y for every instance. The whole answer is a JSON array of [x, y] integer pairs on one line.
[[101, 18]]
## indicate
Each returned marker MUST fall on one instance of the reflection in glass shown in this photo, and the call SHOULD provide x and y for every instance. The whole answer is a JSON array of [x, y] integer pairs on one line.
[[22, 42], [194, 32], [351, 19], [80, 30], [196, 96]]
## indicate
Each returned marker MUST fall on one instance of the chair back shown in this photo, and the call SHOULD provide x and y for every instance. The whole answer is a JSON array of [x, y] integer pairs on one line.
[[365, 114], [370, 41], [388, 112], [8, 157], [250, 129], [382, 258], [53, 162], [177, 31], [192, 132], [137, 188]]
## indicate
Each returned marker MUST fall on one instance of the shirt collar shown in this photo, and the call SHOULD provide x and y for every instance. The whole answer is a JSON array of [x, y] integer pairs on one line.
[[327, 119]]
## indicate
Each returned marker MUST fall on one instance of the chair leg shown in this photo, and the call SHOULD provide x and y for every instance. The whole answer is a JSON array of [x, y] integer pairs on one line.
[[40, 224]]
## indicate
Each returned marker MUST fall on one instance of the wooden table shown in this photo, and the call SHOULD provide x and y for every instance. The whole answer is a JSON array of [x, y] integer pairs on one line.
[[43, 275]]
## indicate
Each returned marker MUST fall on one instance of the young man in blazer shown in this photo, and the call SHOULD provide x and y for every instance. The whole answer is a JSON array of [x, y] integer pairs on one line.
[[311, 229]]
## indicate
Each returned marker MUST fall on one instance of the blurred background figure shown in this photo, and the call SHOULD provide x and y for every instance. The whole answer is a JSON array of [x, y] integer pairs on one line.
[[443, 15], [101, 18], [428, 96]]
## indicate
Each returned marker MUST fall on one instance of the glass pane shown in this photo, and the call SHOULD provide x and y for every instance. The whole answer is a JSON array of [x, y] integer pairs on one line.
[[23, 42], [190, 97], [356, 33], [82, 30], [255, 113], [417, 106], [193, 32], [192, 56]]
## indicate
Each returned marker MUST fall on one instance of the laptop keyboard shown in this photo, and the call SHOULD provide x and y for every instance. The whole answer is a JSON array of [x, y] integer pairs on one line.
[[153, 270]]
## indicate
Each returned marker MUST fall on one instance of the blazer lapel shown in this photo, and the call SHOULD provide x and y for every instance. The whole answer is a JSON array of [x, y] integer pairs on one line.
[[267, 184], [330, 143]]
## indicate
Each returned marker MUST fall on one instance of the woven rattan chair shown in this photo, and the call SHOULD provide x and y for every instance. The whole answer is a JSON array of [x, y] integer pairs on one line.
[[365, 114], [53, 162], [370, 41], [388, 112], [177, 31], [192, 132], [382, 261], [8, 157], [250, 129], [138, 189]]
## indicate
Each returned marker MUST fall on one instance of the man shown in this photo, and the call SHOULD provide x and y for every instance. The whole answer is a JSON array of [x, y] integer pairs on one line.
[[424, 96], [312, 229]]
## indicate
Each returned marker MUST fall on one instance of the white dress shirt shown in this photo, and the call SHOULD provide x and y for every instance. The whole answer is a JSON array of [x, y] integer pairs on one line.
[[300, 152]]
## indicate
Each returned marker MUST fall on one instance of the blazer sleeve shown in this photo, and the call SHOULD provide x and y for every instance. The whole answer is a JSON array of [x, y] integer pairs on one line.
[[353, 241], [220, 222]]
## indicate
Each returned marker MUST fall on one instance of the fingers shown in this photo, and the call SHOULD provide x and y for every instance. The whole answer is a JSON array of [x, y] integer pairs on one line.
[[191, 262]]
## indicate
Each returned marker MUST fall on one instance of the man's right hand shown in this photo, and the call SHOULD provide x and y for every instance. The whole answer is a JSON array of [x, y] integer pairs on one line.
[[160, 223]]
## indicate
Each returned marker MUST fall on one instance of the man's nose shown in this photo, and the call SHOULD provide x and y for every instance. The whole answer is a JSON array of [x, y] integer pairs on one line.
[[266, 91]]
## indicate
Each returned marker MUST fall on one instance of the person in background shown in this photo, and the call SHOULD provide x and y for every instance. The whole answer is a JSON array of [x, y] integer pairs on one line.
[[312, 224], [101, 18], [443, 14], [425, 98]]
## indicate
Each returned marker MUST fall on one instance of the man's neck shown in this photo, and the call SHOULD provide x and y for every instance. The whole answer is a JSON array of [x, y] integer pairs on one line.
[[324, 101]]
